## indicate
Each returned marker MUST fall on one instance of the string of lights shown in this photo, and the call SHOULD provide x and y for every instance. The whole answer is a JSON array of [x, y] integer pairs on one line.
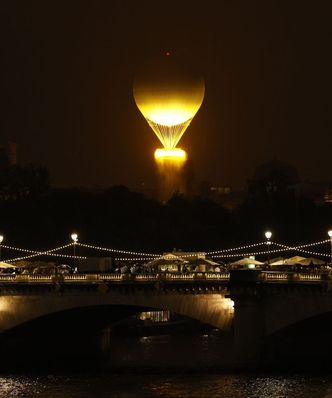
[[270, 252], [321, 242], [224, 253], [300, 249], [264, 243], [117, 250], [46, 253], [214, 254], [233, 249], [134, 258], [49, 252], [35, 251]]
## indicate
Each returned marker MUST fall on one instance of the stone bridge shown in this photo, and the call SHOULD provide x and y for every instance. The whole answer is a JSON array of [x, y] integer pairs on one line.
[[255, 307], [25, 298], [76, 311]]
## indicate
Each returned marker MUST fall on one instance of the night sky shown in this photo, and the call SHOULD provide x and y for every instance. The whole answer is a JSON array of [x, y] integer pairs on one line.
[[67, 70]]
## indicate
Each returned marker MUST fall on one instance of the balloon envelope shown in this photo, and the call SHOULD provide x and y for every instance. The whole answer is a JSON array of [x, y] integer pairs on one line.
[[168, 96]]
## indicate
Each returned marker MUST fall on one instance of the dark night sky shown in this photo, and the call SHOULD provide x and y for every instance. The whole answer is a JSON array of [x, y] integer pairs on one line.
[[66, 85]]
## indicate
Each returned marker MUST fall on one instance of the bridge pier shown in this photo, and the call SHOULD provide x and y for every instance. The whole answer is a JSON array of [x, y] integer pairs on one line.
[[248, 323]]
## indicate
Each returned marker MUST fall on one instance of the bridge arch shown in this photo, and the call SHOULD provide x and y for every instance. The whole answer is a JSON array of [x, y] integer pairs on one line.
[[74, 323], [300, 307], [305, 343], [213, 309]]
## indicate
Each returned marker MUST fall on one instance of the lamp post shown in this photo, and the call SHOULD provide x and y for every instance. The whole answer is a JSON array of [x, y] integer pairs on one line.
[[268, 235], [1, 239], [74, 237], [330, 235]]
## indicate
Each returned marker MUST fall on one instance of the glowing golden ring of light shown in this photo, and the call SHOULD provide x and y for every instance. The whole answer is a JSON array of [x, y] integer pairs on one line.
[[176, 153]]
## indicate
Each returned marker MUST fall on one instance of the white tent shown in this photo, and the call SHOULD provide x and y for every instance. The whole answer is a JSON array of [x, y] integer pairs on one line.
[[168, 259], [203, 264], [289, 261], [203, 261], [276, 260], [312, 260], [246, 261], [6, 265], [294, 260]]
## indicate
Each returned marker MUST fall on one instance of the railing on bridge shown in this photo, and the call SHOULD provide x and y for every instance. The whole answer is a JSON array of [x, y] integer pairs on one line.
[[275, 276], [114, 277], [26, 278], [263, 276]]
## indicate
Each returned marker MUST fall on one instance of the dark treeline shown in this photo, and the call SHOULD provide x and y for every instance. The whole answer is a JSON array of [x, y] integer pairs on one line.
[[119, 218]]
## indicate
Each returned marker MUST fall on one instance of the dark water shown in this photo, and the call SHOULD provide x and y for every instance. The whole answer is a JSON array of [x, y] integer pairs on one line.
[[164, 366], [158, 385], [212, 351]]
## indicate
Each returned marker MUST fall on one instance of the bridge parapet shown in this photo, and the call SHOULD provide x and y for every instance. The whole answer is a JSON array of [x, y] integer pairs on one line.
[[255, 276], [77, 278], [26, 278], [276, 276]]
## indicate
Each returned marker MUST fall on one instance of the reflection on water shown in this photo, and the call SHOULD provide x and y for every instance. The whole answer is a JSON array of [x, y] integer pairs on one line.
[[171, 386], [165, 367], [193, 352]]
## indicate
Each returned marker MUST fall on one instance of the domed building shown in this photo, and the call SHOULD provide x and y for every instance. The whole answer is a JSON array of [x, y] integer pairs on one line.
[[272, 177]]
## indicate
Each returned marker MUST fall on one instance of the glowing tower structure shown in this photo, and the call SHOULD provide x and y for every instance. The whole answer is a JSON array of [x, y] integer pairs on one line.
[[169, 97]]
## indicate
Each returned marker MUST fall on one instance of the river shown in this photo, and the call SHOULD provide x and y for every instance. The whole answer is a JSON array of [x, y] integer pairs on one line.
[[163, 366], [127, 385]]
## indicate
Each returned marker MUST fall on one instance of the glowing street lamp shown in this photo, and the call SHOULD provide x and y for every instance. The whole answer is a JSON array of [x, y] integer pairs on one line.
[[268, 235], [330, 235], [1, 240], [74, 237]]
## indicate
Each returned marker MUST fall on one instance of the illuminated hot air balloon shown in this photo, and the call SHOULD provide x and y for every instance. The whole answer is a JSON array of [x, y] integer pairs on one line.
[[168, 96]]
